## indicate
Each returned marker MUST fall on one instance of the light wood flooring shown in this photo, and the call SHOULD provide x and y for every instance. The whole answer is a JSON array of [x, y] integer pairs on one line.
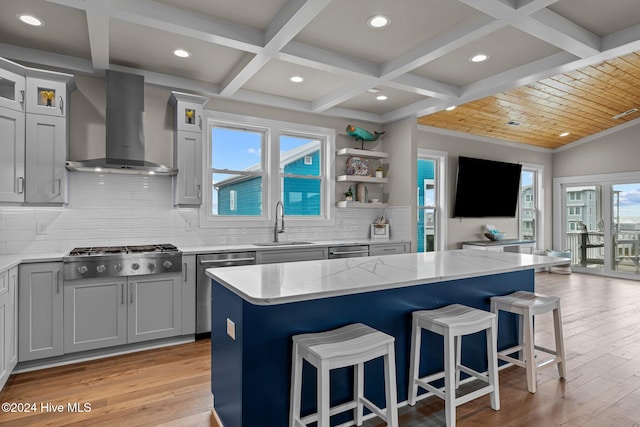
[[170, 386]]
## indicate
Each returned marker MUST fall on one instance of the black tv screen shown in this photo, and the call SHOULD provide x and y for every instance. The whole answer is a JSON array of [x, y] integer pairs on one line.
[[486, 188]]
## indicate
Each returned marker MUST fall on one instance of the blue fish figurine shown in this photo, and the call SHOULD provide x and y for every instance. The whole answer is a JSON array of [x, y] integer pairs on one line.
[[362, 135]]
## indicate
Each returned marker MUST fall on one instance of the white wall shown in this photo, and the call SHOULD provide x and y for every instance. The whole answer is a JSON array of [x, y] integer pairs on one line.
[[613, 153], [465, 229]]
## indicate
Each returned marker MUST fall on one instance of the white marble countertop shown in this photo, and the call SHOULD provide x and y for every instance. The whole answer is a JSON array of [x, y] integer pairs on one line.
[[12, 260], [272, 284]]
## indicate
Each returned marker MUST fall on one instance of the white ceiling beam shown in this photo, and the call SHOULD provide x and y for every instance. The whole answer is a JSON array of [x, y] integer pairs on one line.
[[416, 109], [423, 86], [343, 94], [559, 31], [98, 27], [55, 60], [470, 30], [626, 40], [178, 21], [290, 21], [246, 68], [324, 60]]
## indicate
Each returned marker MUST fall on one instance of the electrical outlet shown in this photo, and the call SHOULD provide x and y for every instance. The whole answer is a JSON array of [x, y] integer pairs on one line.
[[41, 228], [231, 329]]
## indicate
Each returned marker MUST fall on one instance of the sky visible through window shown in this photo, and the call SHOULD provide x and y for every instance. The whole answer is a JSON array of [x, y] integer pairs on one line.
[[629, 201]]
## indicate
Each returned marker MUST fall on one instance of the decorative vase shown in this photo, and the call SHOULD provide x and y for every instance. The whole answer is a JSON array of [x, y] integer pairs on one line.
[[361, 193]]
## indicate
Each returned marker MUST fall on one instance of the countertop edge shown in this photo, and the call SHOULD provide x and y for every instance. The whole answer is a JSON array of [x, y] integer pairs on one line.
[[378, 287]]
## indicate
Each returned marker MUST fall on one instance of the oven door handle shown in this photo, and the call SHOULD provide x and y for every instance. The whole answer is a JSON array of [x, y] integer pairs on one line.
[[221, 261]]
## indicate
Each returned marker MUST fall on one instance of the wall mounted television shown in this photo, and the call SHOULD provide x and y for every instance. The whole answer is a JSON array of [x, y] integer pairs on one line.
[[486, 188]]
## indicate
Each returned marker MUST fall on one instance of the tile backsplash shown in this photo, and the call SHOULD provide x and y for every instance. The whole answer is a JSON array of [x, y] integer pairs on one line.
[[109, 209]]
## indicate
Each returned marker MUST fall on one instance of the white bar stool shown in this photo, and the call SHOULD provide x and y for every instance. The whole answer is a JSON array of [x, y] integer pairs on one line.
[[527, 305], [351, 345], [452, 322]]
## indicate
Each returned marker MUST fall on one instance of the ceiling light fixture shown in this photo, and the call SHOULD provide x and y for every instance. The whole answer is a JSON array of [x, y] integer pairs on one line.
[[378, 21], [31, 20], [625, 113], [296, 79], [513, 123], [480, 57], [374, 90], [451, 108], [564, 134], [381, 97], [181, 53]]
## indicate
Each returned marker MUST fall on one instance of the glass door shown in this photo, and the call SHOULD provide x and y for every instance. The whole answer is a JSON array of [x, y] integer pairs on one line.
[[625, 227], [585, 226]]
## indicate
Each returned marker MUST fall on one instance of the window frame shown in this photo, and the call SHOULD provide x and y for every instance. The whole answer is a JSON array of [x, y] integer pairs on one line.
[[271, 191], [538, 204], [441, 213]]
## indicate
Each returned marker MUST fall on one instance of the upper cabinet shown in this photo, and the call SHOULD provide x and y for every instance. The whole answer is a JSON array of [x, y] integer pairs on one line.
[[12, 86], [187, 153], [47, 96], [33, 134]]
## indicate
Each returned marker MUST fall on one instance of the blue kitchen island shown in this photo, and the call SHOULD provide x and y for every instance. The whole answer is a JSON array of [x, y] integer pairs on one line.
[[257, 309]]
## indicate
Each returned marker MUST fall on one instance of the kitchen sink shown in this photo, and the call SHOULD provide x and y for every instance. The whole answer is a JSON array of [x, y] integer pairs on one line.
[[282, 243]]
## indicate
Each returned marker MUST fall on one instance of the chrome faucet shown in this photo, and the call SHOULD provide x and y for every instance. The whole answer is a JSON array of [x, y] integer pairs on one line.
[[277, 231]]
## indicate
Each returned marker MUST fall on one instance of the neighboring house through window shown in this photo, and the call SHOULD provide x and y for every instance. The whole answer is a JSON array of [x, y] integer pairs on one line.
[[253, 163]]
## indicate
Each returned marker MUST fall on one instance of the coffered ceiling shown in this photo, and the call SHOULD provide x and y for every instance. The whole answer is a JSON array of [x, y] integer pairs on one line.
[[554, 66]]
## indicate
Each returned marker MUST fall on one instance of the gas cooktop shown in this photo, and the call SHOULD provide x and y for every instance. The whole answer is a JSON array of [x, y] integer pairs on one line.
[[135, 249]]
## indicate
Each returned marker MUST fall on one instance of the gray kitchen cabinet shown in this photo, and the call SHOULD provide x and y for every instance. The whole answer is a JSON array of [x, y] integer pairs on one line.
[[187, 152], [12, 85], [40, 315], [389, 248], [12, 140], [33, 134], [188, 294], [8, 324], [155, 307], [101, 313], [45, 159], [271, 256], [95, 314]]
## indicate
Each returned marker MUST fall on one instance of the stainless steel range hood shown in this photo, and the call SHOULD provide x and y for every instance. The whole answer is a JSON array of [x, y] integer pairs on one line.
[[125, 131]]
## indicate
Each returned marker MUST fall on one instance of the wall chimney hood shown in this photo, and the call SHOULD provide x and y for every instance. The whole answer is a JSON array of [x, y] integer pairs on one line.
[[125, 131]]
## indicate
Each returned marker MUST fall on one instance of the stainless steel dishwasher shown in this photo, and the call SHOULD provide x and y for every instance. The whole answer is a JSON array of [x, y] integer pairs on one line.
[[203, 284], [348, 251]]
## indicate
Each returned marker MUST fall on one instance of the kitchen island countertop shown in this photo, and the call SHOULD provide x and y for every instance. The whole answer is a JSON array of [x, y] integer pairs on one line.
[[291, 282]]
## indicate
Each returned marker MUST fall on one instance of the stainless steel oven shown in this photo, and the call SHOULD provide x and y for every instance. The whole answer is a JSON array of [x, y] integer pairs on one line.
[[203, 283]]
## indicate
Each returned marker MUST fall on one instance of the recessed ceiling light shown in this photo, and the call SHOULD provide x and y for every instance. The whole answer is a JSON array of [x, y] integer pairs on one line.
[[564, 134], [381, 97], [453, 107], [296, 79], [378, 21], [181, 53], [374, 90], [31, 20], [480, 57]]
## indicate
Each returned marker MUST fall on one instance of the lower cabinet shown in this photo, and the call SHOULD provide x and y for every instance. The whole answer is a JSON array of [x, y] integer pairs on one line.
[[291, 255], [8, 323], [40, 308], [101, 313]]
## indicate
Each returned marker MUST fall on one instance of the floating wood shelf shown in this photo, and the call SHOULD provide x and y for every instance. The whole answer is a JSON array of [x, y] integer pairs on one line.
[[345, 204], [362, 153], [361, 178]]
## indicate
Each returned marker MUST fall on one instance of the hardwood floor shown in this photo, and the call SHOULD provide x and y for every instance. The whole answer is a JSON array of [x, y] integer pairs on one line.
[[170, 386]]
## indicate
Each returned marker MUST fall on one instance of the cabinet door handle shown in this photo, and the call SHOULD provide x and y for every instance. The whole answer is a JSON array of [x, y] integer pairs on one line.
[[57, 282], [61, 106], [199, 191], [131, 293], [20, 185], [59, 181], [121, 293], [22, 99], [200, 122], [185, 271]]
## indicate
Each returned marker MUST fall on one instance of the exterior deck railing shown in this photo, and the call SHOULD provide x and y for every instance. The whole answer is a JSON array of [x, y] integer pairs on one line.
[[587, 249]]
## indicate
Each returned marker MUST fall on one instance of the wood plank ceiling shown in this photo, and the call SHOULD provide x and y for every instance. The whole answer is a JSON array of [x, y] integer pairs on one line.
[[582, 102]]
